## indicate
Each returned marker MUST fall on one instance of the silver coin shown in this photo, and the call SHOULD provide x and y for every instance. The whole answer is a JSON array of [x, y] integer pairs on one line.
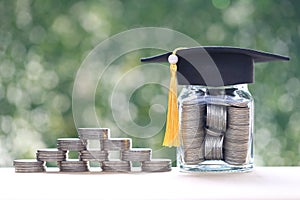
[[115, 162], [242, 128], [51, 158], [242, 121], [237, 140], [94, 133], [116, 169], [51, 151], [156, 169], [28, 162], [159, 162], [30, 170]]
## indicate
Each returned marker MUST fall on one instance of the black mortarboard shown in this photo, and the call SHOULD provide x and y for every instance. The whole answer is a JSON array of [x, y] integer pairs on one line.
[[216, 66]]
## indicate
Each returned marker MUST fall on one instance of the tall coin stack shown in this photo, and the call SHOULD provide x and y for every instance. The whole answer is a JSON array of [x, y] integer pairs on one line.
[[237, 136], [105, 146], [192, 131]]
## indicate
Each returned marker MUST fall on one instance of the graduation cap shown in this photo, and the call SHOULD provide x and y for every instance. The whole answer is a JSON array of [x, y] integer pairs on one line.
[[215, 65], [212, 66]]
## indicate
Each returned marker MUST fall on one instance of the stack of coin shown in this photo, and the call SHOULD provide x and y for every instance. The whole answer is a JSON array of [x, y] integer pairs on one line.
[[193, 156], [93, 155], [70, 144], [192, 120], [216, 123], [193, 147], [29, 165], [213, 147], [116, 166], [239, 116], [119, 144], [236, 142], [136, 154], [192, 115], [51, 155], [93, 133], [157, 165], [73, 166], [216, 117]]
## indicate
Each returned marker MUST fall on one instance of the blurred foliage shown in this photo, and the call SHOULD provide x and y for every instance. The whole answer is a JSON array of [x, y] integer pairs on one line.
[[43, 43]]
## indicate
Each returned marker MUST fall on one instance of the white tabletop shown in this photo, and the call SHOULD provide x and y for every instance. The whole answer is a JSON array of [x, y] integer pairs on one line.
[[261, 183]]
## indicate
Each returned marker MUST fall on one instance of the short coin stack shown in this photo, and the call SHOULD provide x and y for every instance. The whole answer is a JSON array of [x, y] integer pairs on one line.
[[116, 166], [70, 144], [51, 155], [100, 154], [159, 165], [29, 165], [192, 131], [138, 155], [73, 165]]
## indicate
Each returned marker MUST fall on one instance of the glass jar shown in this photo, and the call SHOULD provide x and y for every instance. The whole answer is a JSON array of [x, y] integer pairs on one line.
[[216, 128]]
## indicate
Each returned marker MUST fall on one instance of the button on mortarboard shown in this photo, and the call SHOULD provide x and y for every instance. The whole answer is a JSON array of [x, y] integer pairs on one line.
[[216, 66]]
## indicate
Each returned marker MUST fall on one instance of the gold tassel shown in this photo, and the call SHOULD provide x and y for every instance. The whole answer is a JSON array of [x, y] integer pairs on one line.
[[172, 128]]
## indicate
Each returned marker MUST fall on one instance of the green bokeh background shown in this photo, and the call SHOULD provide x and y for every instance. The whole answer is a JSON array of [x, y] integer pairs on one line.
[[44, 42]]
